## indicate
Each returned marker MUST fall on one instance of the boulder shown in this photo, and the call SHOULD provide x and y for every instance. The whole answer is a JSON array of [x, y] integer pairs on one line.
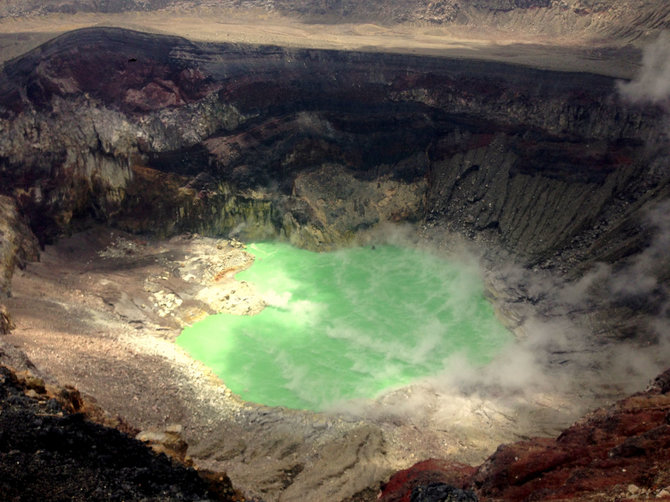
[[6, 324]]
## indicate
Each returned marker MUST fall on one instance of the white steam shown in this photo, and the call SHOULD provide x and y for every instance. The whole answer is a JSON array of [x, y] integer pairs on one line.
[[566, 333], [640, 277], [580, 343], [653, 82], [568, 357]]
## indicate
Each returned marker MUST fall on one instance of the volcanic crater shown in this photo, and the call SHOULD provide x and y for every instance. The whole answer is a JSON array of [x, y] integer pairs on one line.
[[136, 165]]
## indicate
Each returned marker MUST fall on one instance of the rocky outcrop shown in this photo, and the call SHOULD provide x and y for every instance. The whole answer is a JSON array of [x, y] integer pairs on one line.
[[6, 323], [406, 484], [18, 245], [70, 173], [50, 451], [614, 453]]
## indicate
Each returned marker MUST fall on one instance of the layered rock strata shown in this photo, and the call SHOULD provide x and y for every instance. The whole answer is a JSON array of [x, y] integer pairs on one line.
[[318, 147], [224, 138]]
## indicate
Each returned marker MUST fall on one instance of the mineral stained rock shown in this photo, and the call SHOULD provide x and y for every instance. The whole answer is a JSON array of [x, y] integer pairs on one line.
[[611, 454], [423, 474]]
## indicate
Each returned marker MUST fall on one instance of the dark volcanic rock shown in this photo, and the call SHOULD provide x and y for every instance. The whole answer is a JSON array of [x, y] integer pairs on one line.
[[131, 71], [48, 453], [429, 473], [441, 492], [317, 147]]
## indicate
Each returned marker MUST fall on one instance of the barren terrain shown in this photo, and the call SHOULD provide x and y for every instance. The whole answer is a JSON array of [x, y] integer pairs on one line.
[[564, 52]]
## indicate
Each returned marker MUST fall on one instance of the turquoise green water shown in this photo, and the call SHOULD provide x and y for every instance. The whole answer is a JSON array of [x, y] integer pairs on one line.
[[346, 324]]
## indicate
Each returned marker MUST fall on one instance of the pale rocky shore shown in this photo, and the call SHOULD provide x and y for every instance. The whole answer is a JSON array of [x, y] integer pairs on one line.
[[100, 311]]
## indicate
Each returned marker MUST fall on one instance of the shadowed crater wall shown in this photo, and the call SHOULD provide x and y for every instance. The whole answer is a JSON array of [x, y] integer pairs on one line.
[[159, 135]]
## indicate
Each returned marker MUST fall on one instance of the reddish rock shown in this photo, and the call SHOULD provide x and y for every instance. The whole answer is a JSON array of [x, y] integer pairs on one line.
[[400, 486], [153, 96], [139, 75], [620, 452]]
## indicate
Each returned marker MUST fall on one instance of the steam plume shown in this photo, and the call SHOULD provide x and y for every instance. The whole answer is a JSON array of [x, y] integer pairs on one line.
[[653, 83]]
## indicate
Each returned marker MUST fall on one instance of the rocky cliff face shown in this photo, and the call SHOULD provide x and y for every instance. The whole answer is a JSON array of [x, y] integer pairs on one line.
[[18, 245], [160, 135], [218, 138], [50, 451]]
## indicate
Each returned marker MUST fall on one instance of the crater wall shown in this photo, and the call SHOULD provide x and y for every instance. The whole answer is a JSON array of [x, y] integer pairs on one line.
[[161, 135]]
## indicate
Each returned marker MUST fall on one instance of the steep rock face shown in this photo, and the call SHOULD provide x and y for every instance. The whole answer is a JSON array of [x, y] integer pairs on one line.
[[614, 453], [538, 211], [488, 149], [78, 167], [18, 245]]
